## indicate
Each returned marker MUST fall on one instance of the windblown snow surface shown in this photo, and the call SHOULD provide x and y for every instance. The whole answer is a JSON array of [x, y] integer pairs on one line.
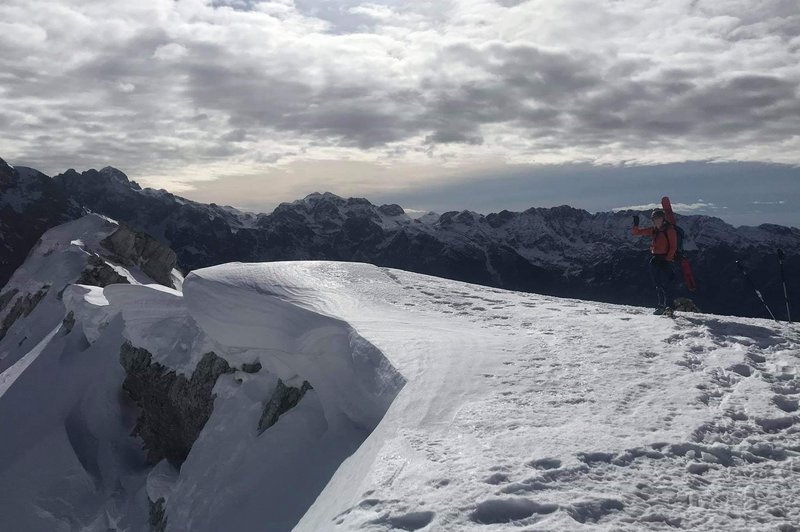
[[436, 405]]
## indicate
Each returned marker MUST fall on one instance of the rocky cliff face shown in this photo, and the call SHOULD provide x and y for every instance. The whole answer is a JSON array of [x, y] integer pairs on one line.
[[19, 307], [558, 251], [136, 249], [100, 273], [283, 399], [174, 409]]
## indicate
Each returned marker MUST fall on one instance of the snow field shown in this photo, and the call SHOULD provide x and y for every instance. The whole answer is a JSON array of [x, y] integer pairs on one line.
[[522, 410], [436, 405]]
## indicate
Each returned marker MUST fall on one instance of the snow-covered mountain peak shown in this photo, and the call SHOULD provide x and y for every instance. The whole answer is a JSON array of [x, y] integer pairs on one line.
[[108, 178], [328, 212], [114, 173], [429, 218], [467, 218], [393, 210], [315, 197]]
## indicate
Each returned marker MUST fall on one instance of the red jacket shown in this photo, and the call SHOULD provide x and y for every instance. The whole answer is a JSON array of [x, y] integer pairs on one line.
[[665, 240]]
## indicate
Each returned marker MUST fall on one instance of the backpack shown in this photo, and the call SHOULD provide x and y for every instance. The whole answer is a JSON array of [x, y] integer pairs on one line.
[[681, 235]]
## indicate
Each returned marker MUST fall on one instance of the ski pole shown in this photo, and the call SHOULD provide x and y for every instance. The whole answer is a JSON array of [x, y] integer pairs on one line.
[[753, 285], [781, 256]]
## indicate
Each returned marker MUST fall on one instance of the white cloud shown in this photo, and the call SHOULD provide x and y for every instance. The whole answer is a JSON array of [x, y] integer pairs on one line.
[[644, 207], [126, 87], [159, 86], [170, 52], [684, 208]]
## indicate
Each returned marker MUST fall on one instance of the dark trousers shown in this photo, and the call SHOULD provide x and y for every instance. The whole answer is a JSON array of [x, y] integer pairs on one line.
[[663, 276]]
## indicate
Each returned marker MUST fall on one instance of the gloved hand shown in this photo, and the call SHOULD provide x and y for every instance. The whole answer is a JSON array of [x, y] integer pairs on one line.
[[636, 220]]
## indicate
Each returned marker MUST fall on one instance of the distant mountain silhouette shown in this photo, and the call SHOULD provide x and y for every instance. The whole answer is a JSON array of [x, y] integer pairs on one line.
[[558, 251]]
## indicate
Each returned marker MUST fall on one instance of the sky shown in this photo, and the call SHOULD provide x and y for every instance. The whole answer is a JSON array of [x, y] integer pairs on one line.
[[479, 104]]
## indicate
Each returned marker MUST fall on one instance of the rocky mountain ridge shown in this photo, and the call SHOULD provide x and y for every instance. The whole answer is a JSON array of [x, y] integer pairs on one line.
[[557, 251]]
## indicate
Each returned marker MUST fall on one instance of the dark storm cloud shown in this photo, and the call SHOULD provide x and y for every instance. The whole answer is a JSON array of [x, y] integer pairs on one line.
[[261, 98], [453, 137], [522, 85], [576, 95]]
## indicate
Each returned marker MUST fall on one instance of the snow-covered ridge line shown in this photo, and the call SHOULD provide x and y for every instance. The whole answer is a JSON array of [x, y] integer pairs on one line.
[[279, 321], [92, 250], [435, 405], [249, 319], [272, 471]]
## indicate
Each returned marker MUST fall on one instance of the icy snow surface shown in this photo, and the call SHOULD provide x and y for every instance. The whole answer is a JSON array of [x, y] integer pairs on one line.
[[521, 409], [436, 405]]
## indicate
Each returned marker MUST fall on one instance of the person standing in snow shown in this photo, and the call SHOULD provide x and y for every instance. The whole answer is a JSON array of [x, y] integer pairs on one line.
[[663, 247]]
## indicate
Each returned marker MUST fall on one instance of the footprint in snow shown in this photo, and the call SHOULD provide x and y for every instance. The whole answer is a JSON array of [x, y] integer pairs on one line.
[[409, 521], [545, 463], [495, 511], [439, 483], [593, 510], [787, 388], [742, 369], [496, 478]]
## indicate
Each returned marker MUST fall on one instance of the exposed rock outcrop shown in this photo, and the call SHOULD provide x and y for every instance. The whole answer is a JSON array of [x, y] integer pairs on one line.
[[99, 273], [132, 248], [158, 515], [6, 297], [283, 399], [252, 367], [22, 307], [684, 304], [69, 322], [174, 409], [6, 174]]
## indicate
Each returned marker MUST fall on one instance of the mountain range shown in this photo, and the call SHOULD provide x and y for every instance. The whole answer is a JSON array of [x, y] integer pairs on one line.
[[337, 395], [560, 251]]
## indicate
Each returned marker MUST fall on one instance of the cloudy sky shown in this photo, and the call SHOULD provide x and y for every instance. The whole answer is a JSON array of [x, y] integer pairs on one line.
[[480, 104]]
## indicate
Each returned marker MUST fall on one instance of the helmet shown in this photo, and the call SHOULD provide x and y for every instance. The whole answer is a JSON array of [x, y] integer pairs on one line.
[[658, 213]]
